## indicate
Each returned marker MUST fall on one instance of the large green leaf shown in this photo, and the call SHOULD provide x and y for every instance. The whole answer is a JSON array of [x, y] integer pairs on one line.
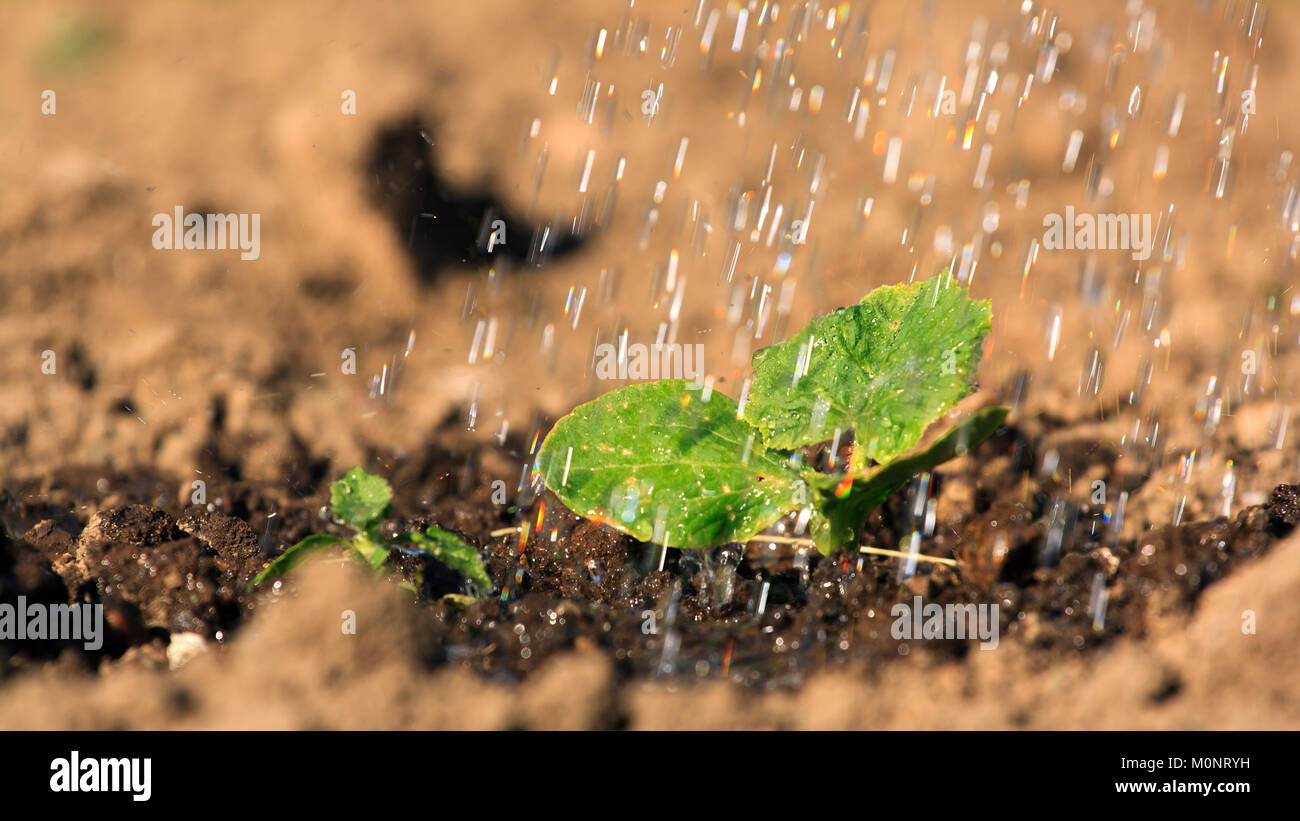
[[842, 504], [360, 499], [660, 462], [886, 368]]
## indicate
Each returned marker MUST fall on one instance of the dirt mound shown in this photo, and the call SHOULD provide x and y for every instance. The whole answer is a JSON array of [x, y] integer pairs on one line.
[[170, 420]]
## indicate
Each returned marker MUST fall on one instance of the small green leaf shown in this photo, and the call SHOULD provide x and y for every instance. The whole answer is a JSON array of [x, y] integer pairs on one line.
[[369, 552], [296, 555], [660, 462], [360, 499], [453, 552], [843, 503], [885, 368]]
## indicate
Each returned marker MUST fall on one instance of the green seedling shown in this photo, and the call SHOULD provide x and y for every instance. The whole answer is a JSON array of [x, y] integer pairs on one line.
[[360, 501], [683, 466]]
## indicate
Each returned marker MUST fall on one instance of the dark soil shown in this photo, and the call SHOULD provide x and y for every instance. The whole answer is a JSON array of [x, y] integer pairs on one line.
[[764, 614]]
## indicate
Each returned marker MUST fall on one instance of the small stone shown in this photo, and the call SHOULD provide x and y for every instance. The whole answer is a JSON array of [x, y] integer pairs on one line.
[[183, 648]]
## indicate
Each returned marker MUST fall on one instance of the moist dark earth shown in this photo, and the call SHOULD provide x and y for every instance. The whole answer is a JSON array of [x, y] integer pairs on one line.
[[764, 614], [1089, 521]]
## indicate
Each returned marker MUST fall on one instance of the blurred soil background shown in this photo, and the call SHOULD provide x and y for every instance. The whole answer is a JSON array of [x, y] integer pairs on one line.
[[1171, 379]]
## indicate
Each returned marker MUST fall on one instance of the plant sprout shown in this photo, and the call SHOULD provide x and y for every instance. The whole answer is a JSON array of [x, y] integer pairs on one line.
[[361, 501], [689, 467]]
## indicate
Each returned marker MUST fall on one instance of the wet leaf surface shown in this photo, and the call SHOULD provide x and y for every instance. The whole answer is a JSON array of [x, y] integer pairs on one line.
[[661, 462], [885, 368]]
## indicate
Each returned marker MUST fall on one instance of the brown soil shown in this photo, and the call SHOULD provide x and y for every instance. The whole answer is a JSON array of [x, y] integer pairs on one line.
[[183, 367]]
